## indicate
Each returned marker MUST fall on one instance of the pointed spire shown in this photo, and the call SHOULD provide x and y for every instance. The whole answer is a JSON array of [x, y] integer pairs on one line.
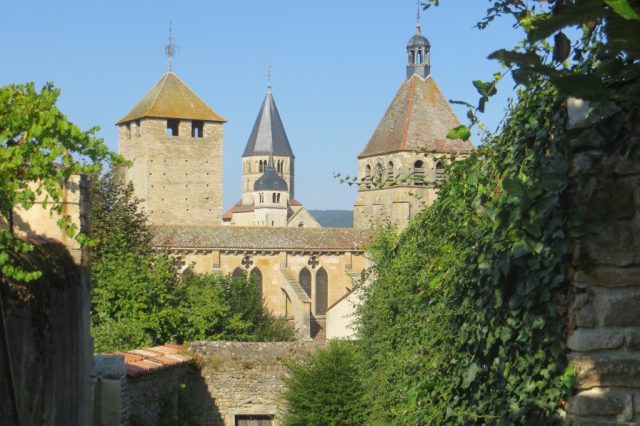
[[170, 48], [268, 135]]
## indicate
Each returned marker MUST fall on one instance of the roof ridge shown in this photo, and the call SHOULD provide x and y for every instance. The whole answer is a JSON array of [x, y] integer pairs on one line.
[[405, 127]]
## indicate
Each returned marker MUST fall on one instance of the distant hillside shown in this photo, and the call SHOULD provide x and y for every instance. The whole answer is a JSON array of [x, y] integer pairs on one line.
[[334, 218]]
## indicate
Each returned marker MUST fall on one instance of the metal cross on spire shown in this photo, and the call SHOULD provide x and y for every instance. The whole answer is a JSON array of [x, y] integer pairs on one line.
[[269, 78], [170, 49], [418, 17]]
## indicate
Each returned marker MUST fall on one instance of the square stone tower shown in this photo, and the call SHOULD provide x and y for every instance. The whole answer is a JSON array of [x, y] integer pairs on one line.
[[174, 141]]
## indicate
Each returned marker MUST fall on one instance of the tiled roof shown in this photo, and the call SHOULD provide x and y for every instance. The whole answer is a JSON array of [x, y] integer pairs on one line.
[[418, 117], [268, 135], [142, 361], [172, 98], [260, 238]]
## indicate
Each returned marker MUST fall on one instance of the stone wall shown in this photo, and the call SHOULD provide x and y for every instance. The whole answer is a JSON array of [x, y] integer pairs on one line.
[[246, 378], [604, 316]]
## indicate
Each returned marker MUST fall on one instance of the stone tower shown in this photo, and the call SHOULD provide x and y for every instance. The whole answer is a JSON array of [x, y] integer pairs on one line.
[[267, 138], [271, 198], [399, 169], [174, 141]]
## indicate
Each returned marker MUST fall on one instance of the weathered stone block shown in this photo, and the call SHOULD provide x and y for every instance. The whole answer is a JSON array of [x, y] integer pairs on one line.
[[609, 277], [606, 371], [610, 243], [612, 200], [109, 366], [595, 339], [599, 402], [632, 339], [619, 309]]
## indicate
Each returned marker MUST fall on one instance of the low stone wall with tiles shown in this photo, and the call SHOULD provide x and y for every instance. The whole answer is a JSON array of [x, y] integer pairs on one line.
[[604, 316], [246, 378]]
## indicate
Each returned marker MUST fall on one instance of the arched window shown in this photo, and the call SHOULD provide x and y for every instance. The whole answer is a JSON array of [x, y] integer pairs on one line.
[[238, 273], [379, 171], [390, 170], [278, 197], [261, 197], [322, 291], [418, 173], [304, 278], [256, 277], [367, 175], [439, 172], [261, 165], [273, 197]]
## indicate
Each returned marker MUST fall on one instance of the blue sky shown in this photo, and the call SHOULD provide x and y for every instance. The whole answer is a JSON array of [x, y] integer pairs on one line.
[[336, 66]]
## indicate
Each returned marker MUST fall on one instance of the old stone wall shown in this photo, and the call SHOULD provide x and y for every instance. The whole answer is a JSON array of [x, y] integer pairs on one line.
[[246, 378], [604, 316]]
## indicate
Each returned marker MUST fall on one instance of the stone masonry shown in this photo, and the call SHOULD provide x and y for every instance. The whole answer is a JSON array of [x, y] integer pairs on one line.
[[604, 316]]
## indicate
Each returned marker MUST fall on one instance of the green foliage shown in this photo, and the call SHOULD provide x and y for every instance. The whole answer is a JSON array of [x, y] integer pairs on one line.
[[39, 150], [461, 324], [138, 301], [326, 389]]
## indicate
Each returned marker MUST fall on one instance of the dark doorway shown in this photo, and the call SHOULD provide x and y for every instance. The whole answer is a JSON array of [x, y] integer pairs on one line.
[[254, 420]]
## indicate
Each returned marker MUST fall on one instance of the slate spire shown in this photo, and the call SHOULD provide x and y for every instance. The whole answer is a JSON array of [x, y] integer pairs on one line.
[[268, 135]]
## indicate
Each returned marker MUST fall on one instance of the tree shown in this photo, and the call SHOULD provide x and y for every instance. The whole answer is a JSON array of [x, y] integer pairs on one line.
[[326, 389], [137, 299], [39, 150]]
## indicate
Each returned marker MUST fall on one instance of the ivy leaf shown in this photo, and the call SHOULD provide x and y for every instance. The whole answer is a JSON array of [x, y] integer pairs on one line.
[[510, 57], [485, 88], [581, 86], [562, 47], [461, 132], [623, 8], [581, 12], [471, 375], [513, 187]]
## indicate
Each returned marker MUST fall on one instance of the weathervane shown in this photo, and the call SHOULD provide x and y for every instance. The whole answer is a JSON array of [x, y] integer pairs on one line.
[[418, 17], [170, 49]]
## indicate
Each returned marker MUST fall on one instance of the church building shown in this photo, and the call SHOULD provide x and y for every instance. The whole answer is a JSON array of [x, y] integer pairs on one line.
[[305, 272]]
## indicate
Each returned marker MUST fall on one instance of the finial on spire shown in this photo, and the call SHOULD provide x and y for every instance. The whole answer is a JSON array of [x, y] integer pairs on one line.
[[269, 79], [418, 17], [170, 49]]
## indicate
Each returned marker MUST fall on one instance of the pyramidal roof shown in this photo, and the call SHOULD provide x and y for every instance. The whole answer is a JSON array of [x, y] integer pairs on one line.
[[172, 98], [268, 135], [419, 117]]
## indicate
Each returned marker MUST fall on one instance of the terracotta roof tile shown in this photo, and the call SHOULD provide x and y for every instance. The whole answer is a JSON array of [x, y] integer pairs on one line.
[[141, 361], [172, 98], [418, 117], [260, 238]]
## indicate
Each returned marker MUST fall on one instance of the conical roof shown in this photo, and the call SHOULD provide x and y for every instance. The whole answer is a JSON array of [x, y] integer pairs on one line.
[[419, 117], [268, 135], [172, 98], [270, 180]]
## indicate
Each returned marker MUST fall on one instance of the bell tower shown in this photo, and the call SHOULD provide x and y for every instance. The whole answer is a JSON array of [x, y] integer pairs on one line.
[[418, 53]]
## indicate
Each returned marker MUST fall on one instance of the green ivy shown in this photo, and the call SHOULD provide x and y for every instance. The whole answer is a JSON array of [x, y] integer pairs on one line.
[[461, 324]]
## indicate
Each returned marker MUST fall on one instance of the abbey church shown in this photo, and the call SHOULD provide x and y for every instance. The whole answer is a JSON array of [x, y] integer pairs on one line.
[[174, 141]]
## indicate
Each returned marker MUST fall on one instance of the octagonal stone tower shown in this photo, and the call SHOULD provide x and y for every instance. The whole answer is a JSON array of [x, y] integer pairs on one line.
[[174, 140], [401, 166]]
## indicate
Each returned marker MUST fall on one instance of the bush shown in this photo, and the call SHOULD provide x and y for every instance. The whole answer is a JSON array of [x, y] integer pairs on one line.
[[326, 388]]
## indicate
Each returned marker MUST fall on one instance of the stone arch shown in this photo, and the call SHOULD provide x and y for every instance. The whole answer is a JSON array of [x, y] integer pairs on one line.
[[238, 273], [256, 276], [379, 171], [390, 170], [439, 172], [304, 278], [418, 173], [322, 291]]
